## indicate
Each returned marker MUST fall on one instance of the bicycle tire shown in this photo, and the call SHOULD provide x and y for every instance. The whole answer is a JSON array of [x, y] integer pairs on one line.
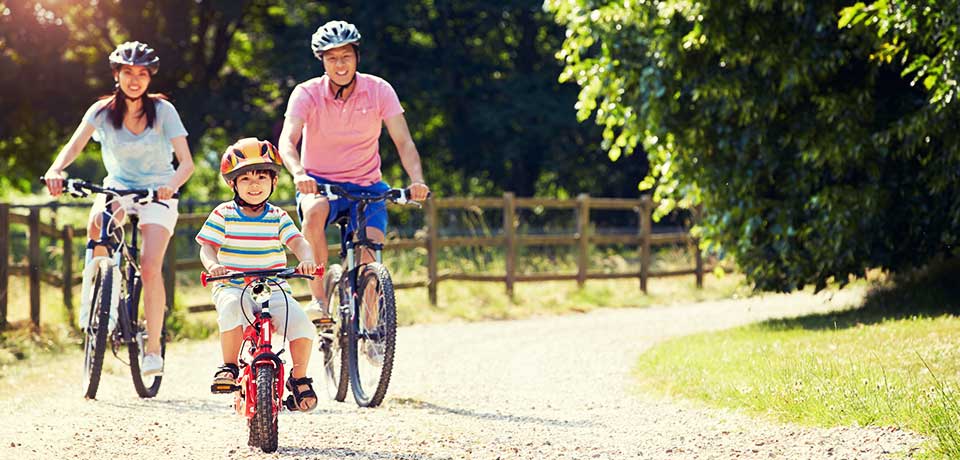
[[371, 360], [263, 424], [95, 335], [332, 349], [139, 330]]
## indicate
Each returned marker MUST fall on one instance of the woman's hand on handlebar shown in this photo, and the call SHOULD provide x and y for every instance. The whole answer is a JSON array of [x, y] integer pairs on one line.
[[165, 192], [54, 181], [418, 191]]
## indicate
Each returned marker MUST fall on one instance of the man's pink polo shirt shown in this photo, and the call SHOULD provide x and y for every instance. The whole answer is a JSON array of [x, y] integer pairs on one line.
[[341, 138]]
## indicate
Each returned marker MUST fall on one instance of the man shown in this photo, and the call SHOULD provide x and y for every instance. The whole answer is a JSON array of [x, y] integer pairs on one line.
[[340, 116]]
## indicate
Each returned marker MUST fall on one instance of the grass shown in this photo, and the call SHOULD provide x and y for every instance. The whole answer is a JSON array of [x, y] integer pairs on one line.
[[891, 362]]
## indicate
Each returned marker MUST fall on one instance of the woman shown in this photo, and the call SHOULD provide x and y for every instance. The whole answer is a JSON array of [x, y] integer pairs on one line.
[[137, 132]]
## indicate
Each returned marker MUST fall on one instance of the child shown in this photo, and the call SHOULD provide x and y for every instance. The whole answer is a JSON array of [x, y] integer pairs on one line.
[[246, 234]]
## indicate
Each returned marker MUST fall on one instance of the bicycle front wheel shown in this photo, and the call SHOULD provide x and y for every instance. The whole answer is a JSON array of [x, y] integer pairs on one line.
[[372, 336], [136, 337], [95, 333], [263, 425], [331, 341]]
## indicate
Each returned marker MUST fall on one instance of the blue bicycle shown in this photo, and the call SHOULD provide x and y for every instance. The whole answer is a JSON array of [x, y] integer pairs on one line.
[[359, 335]]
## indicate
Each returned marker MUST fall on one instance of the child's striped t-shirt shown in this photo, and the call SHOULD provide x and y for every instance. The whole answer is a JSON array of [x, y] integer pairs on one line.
[[249, 243]]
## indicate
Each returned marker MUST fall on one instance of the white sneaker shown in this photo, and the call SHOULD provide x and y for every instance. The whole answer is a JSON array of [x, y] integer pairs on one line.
[[315, 311], [152, 365]]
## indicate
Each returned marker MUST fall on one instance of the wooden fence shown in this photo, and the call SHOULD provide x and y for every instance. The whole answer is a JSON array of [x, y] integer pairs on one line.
[[508, 239]]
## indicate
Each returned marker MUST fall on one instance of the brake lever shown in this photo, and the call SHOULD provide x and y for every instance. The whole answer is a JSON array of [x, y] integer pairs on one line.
[[74, 191], [329, 192], [402, 199]]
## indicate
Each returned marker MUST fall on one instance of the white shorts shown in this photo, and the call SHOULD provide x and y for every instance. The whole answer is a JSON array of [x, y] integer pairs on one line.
[[229, 316], [150, 213]]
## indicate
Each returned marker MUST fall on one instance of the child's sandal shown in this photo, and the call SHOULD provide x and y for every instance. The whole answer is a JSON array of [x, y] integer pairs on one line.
[[297, 396], [225, 379]]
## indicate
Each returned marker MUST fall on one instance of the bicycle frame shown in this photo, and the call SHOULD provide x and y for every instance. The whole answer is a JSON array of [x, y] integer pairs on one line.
[[258, 334], [367, 326], [119, 250]]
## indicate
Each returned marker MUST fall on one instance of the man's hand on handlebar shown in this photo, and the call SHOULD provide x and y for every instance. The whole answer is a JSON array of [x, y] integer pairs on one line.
[[305, 184], [418, 191]]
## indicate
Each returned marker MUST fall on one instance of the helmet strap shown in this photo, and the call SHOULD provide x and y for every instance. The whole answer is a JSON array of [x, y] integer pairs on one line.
[[245, 204], [341, 88]]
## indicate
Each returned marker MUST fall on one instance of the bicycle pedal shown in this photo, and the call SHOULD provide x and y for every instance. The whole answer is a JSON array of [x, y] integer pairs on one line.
[[224, 388], [290, 404], [325, 321]]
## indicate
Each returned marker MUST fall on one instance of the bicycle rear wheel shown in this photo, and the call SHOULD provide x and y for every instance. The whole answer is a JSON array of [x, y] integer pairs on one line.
[[129, 314], [263, 424], [372, 336], [334, 354], [95, 334]]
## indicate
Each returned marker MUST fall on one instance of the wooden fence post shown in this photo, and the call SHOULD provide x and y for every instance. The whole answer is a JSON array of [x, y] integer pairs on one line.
[[33, 222], [645, 228], [433, 235], [698, 256], [4, 261], [583, 238], [510, 234], [66, 236], [170, 271]]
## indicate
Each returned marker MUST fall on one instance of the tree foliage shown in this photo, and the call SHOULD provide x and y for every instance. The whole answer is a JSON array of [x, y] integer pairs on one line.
[[813, 162], [477, 80], [922, 36]]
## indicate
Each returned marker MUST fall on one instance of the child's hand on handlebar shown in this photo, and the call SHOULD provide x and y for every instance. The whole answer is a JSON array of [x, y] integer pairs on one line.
[[307, 267], [217, 270]]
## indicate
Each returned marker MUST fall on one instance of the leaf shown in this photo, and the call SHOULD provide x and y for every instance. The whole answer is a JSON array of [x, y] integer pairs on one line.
[[851, 15]]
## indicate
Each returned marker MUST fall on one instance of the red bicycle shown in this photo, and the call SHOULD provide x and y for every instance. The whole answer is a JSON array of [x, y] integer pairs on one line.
[[259, 390]]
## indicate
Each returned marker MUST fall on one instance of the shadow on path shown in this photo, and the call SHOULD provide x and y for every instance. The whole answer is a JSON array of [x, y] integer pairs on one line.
[[418, 404], [343, 452], [932, 292]]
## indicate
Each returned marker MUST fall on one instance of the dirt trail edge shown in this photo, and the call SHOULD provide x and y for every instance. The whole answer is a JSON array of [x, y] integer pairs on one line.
[[551, 387]]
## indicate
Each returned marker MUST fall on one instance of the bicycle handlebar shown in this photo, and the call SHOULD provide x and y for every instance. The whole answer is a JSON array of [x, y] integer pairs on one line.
[[283, 273], [81, 188], [395, 195]]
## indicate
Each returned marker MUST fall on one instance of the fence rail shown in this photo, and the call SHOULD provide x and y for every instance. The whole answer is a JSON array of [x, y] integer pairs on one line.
[[508, 239]]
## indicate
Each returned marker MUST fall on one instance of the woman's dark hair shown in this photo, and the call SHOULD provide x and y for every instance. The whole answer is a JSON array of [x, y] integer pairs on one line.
[[117, 107]]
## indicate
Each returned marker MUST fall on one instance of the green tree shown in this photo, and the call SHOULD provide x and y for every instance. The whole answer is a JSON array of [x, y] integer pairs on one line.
[[478, 82], [920, 35], [812, 161]]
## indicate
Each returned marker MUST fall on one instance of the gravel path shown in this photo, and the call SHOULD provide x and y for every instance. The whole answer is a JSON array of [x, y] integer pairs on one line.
[[552, 387]]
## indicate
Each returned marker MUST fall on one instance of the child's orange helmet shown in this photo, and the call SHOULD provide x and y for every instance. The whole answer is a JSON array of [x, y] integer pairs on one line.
[[249, 154]]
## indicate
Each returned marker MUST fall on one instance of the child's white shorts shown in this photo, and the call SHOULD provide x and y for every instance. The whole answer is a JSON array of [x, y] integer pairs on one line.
[[227, 301]]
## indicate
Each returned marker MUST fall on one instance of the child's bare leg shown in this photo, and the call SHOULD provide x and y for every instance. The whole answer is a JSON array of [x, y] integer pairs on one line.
[[300, 352], [230, 342]]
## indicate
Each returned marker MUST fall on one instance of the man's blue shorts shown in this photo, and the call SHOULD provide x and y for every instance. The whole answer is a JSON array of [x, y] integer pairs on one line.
[[376, 213]]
